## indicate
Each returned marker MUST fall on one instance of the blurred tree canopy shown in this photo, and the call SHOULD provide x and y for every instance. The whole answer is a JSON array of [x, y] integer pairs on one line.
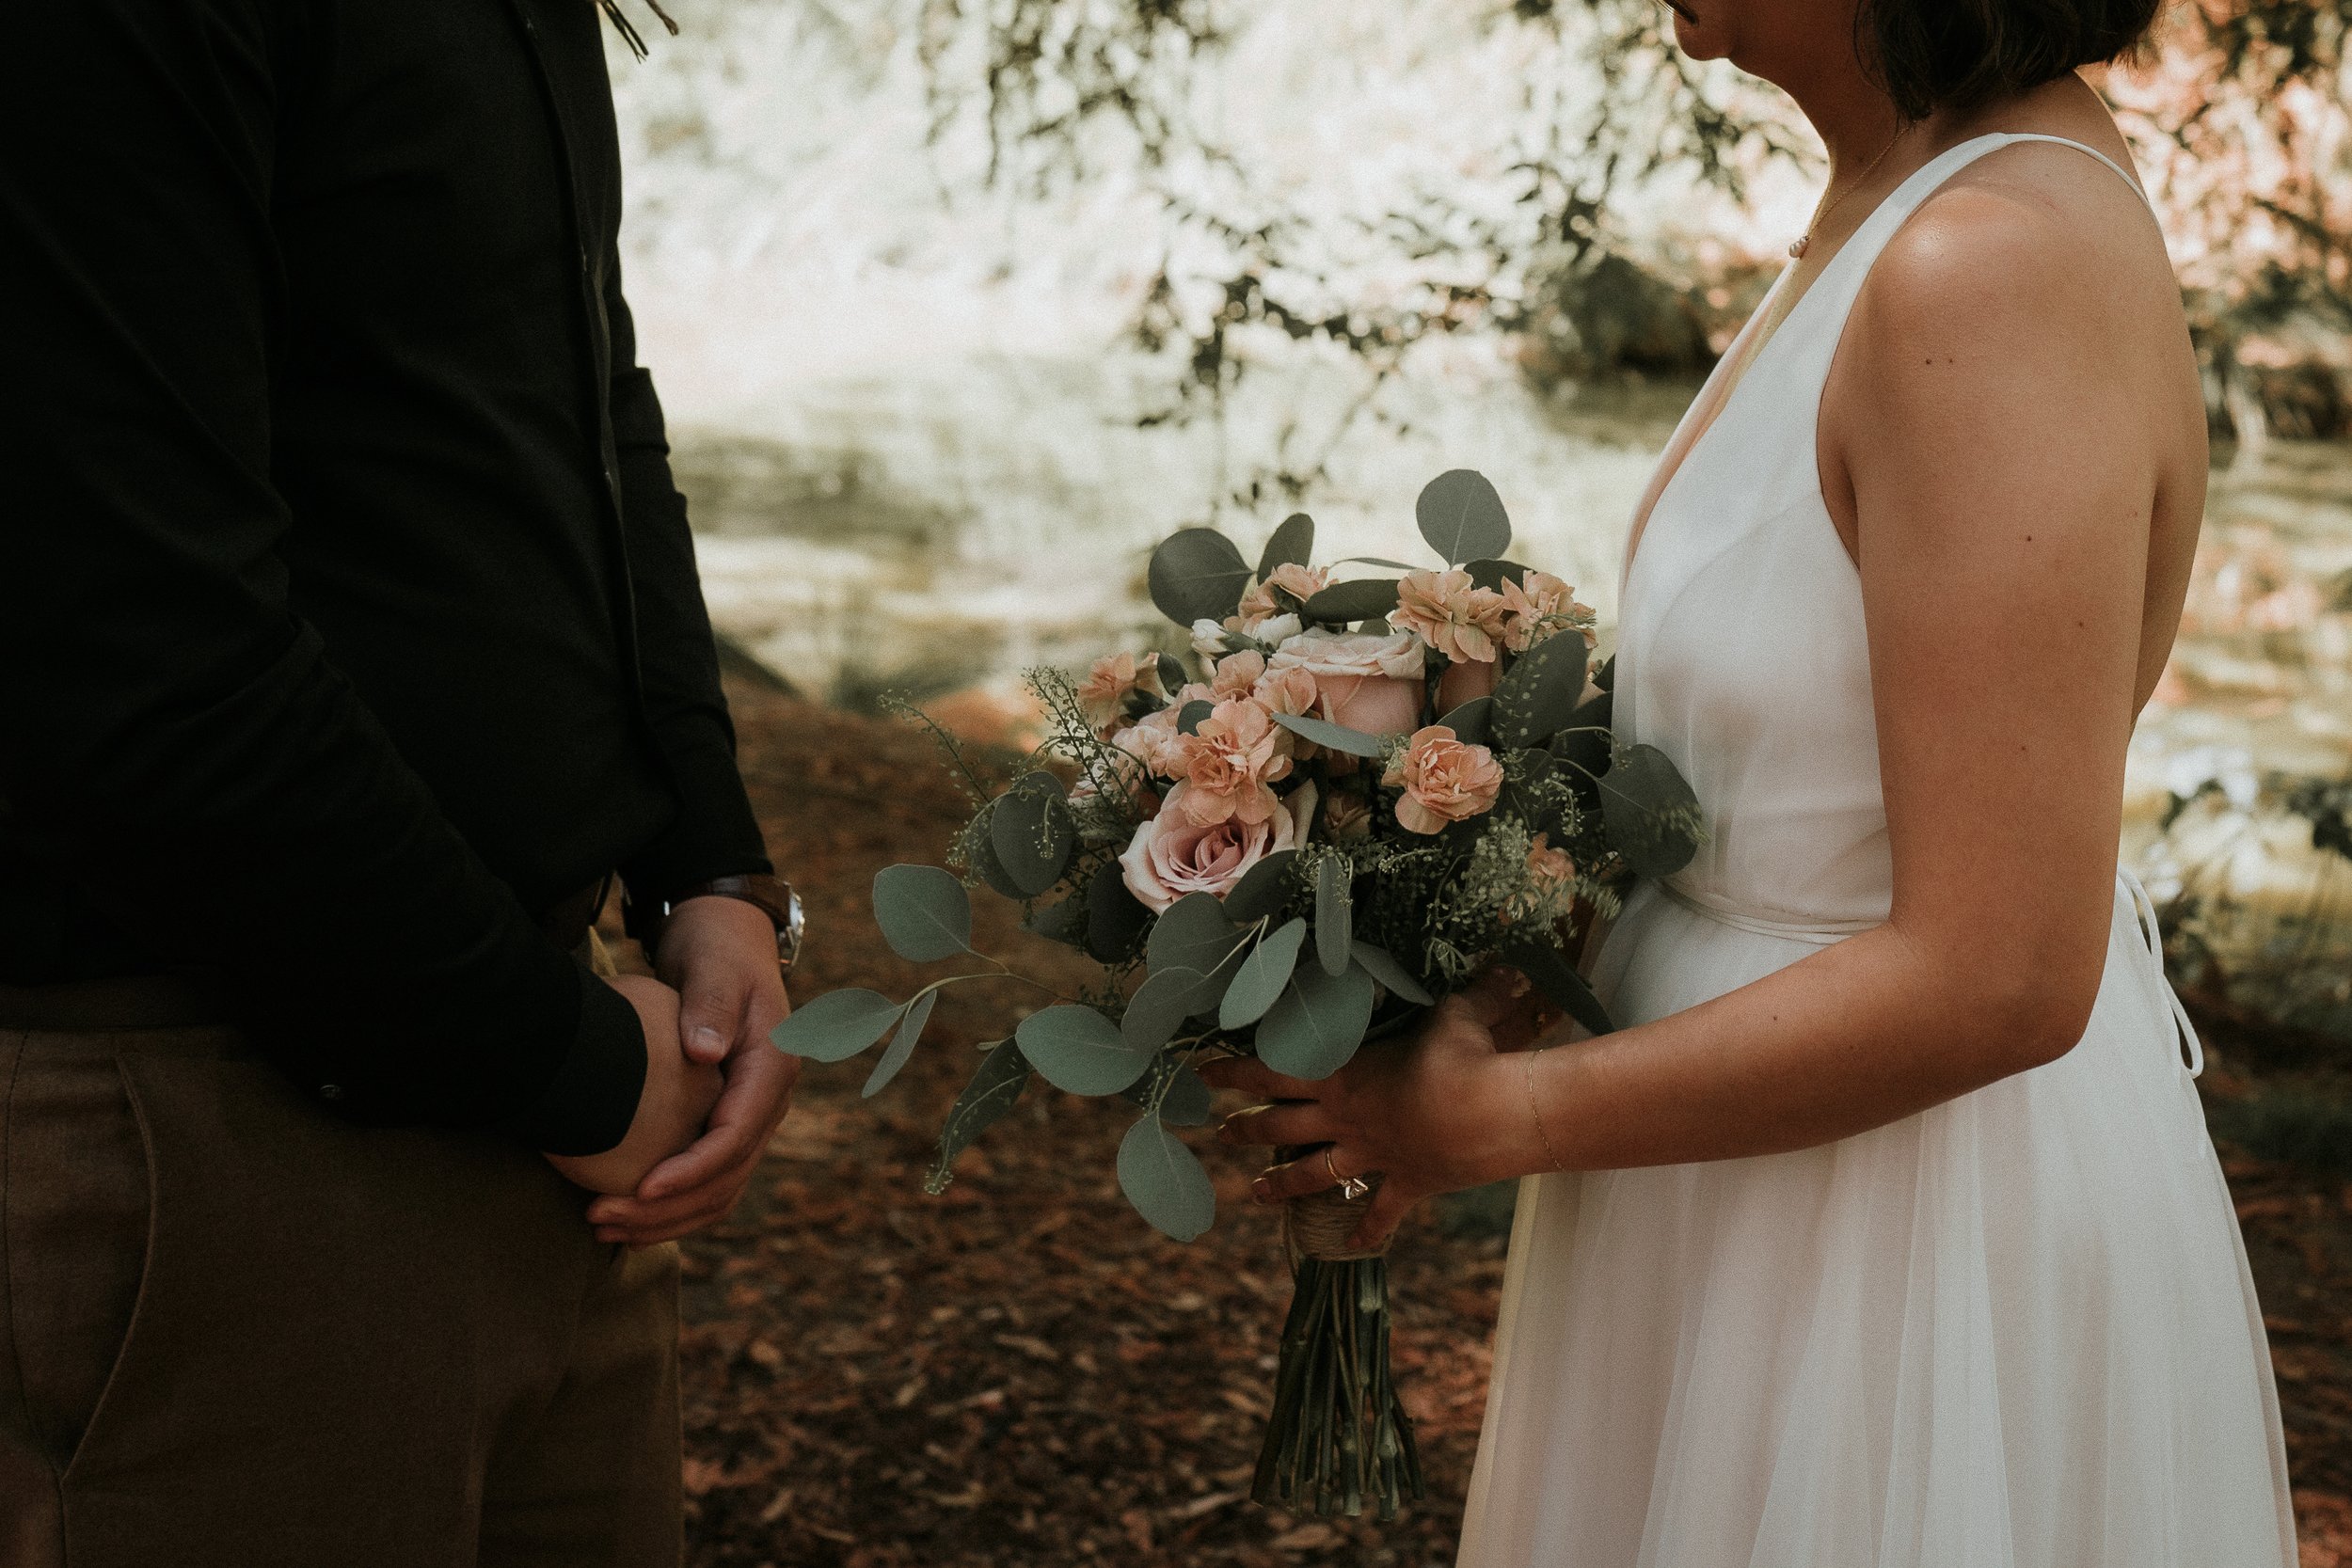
[[2238, 113]]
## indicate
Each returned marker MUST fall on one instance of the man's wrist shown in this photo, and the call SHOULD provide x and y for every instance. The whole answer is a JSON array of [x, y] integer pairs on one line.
[[648, 919]]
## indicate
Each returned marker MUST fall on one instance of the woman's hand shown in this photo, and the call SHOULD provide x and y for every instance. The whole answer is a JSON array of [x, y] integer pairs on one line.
[[1440, 1112]]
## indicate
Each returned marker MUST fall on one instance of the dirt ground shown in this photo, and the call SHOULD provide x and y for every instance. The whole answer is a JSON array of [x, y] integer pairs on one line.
[[1021, 1372]]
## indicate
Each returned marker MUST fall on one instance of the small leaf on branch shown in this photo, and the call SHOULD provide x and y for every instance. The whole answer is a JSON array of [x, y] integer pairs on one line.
[[1032, 832], [924, 912], [1292, 544], [835, 1026], [994, 1090], [1159, 1008], [1171, 673], [1335, 904], [1079, 1050], [1383, 966], [1184, 1097], [1165, 1181], [1262, 977], [1316, 1026], [918, 1013], [1473, 724], [1538, 695], [1064, 920], [1194, 934], [1362, 599], [1462, 516], [980, 848], [1491, 575], [1263, 889], [1552, 974], [1339, 738], [1197, 575], [1188, 717], [1650, 811]]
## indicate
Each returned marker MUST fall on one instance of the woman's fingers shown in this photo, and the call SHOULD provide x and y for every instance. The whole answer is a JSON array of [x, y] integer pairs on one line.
[[1308, 1173], [1291, 1122], [1252, 1076], [1388, 1208]]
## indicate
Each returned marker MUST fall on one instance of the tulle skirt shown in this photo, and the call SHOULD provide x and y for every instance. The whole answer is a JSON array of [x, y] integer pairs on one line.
[[2014, 1331]]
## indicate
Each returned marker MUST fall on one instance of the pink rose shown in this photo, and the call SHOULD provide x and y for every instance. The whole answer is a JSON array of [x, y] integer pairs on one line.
[[1365, 680], [1103, 695], [1463, 683], [1460, 621], [1175, 854], [1229, 762], [1444, 781], [1548, 868]]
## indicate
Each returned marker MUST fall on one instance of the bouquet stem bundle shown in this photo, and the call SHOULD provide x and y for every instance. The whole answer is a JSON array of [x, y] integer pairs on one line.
[[1339, 1436]]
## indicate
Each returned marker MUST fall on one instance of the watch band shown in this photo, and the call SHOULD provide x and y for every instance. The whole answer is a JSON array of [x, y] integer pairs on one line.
[[646, 919]]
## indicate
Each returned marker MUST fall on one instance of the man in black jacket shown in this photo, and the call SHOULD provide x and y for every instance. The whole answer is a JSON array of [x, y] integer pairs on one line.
[[350, 645]]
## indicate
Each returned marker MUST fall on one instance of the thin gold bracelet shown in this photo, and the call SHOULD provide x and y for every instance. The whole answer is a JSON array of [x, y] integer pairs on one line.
[[1534, 1108]]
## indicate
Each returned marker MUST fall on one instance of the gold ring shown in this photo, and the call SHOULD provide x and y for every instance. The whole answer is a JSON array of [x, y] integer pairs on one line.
[[1351, 1187]]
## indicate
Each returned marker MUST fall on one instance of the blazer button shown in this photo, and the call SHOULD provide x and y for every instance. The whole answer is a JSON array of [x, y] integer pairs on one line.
[[331, 1091]]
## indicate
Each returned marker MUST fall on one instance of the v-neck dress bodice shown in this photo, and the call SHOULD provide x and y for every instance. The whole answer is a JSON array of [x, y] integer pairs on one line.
[[2013, 1331]]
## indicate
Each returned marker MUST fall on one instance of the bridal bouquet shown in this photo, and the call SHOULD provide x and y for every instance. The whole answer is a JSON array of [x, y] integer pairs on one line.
[[1355, 795]]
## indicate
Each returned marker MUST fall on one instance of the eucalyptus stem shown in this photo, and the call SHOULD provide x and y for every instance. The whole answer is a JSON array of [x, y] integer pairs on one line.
[[1339, 1437]]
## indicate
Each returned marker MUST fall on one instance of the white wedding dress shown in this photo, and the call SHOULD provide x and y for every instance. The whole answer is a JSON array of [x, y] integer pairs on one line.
[[2013, 1331]]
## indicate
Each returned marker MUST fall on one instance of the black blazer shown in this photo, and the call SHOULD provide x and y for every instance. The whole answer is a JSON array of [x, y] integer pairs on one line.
[[348, 615]]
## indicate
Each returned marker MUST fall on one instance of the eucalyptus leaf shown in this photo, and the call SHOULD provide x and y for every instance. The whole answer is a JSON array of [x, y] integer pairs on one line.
[[1382, 965], [1192, 933], [1188, 717], [1159, 1008], [918, 1013], [1262, 977], [1552, 974], [1263, 889], [1081, 1052], [1339, 738], [1064, 920], [1181, 1093], [1197, 575], [1582, 746], [1650, 811], [1115, 916], [1462, 516], [835, 1026], [1292, 544], [1540, 693], [1491, 574], [1316, 1025], [1606, 677], [1377, 561], [1334, 914], [1165, 1180], [924, 912], [1361, 599], [994, 1089], [1032, 832], [1171, 671], [981, 847], [1473, 724]]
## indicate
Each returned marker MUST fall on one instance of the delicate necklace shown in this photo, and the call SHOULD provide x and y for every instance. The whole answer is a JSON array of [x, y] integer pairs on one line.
[[1822, 215]]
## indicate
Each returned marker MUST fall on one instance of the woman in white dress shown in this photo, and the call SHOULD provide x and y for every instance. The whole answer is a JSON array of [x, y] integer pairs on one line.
[[1885, 1231]]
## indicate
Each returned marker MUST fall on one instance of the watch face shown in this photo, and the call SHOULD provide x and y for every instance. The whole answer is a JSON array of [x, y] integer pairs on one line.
[[789, 933]]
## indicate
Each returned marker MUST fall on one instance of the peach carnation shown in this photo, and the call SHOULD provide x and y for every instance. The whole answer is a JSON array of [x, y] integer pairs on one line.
[[1229, 762], [1444, 609], [1444, 781], [1236, 675], [1103, 695], [1300, 582], [1534, 609]]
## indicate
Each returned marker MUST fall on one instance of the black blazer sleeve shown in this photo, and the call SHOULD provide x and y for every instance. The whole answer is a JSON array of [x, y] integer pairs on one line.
[[170, 733], [715, 834]]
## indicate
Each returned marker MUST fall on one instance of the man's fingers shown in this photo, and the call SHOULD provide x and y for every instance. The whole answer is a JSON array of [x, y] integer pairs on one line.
[[1252, 1076], [758, 1087], [1292, 1122], [711, 1013], [696, 1206]]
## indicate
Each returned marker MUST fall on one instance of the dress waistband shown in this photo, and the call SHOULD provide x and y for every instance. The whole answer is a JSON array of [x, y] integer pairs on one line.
[[1821, 933]]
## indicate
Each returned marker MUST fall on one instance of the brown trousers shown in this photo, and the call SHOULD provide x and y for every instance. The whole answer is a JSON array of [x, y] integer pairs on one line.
[[236, 1333]]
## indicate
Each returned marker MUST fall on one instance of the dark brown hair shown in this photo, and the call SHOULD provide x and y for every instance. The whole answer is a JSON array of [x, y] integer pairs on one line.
[[1937, 54]]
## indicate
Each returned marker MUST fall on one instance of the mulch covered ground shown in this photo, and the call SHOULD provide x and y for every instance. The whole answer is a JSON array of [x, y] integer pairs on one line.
[[1018, 1371]]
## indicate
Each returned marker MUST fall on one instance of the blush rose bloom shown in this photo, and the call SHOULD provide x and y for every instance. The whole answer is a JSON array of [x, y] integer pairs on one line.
[[1229, 760], [1364, 680], [1444, 609], [1462, 683], [1444, 781], [1174, 854], [1548, 868]]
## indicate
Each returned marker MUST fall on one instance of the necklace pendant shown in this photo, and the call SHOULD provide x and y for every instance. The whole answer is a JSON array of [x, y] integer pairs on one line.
[[1796, 247]]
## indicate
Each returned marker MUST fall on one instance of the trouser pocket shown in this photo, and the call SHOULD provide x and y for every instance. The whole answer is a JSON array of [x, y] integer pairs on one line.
[[76, 1204]]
